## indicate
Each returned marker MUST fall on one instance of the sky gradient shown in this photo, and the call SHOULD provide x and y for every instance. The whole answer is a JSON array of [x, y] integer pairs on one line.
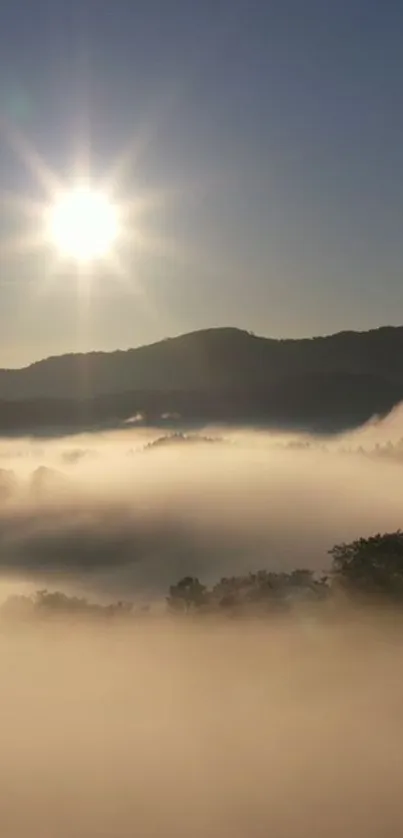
[[264, 136]]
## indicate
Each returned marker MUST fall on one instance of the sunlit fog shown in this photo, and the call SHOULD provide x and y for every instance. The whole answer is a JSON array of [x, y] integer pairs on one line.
[[165, 725], [130, 512], [224, 730]]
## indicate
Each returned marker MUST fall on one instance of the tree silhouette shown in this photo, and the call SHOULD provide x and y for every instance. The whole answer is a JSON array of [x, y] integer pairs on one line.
[[44, 604], [187, 595], [268, 590], [370, 566]]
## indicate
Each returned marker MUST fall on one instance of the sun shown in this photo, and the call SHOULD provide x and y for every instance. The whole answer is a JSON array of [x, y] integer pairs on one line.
[[83, 224]]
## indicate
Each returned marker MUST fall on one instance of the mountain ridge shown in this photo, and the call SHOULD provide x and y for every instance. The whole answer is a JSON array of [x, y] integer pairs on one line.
[[220, 329], [209, 357], [223, 374]]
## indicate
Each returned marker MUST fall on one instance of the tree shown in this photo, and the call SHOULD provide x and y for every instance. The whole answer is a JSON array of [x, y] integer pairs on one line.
[[44, 604], [370, 566], [267, 591], [187, 595]]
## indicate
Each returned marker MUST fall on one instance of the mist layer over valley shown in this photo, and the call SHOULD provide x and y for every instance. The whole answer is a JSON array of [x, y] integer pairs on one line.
[[168, 725], [218, 731], [128, 513]]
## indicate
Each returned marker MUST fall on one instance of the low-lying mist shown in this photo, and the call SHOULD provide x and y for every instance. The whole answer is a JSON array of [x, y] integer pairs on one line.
[[222, 731], [128, 513], [174, 726]]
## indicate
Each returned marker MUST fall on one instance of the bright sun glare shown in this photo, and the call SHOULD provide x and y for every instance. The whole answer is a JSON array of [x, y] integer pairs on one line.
[[83, 225]]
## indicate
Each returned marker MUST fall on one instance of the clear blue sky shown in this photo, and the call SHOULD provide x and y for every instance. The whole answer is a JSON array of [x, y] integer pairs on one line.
[[274, 128]]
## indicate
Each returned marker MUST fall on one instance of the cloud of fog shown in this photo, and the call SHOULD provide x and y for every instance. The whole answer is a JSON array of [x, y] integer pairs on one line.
[[221, 732], [284, 728], [105, 514]]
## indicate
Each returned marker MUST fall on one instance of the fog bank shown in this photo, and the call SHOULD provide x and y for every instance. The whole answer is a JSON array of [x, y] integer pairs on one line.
[[283, 730], [112, 515]]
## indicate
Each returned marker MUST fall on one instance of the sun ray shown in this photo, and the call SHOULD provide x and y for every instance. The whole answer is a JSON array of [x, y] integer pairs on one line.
[[32, 159], [133, 288], [27, 206], [70, 224], [142, 137], [20, 245]]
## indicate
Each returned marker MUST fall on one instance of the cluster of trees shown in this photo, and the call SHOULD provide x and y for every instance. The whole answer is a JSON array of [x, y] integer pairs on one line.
[[384, 450], [40, 480], [253, 592], [368, 569], [50, 603], [388, 450], [178, 438]]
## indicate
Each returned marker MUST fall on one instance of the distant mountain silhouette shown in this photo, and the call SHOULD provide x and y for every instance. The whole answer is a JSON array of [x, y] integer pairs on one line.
[[223, 375]]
